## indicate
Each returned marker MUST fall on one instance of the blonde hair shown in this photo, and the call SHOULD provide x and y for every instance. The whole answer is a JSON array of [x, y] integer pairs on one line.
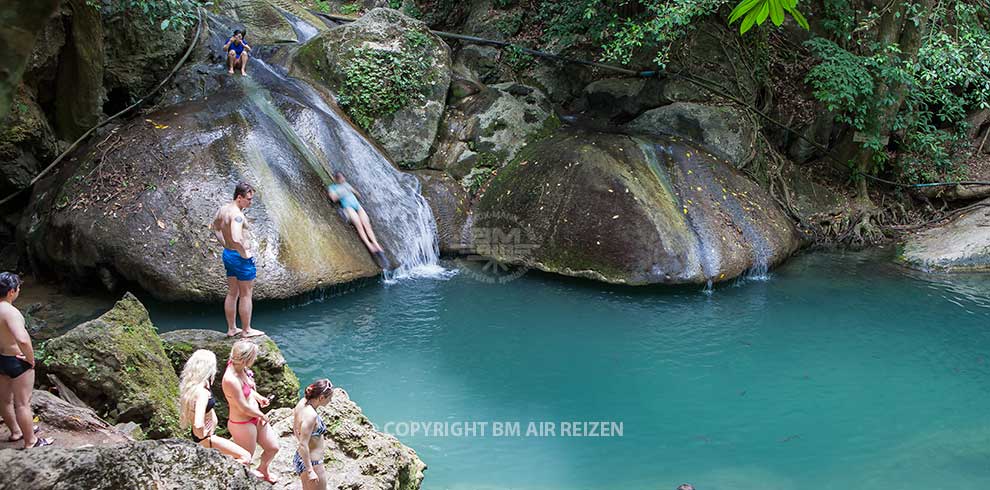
[[243, 353], [199, 370]]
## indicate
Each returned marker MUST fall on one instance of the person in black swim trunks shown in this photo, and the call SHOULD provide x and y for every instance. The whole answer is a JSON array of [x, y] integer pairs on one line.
[[196, 404], [16, 367]]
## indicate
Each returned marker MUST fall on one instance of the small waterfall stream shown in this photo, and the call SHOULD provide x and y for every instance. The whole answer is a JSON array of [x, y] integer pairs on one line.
[[309, 129]]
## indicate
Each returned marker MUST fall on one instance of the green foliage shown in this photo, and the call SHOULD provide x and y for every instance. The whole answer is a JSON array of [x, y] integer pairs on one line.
[[378, 83], [395, 4], [757, 11], [509, 24], [516, 58], [949, 79], [350, 8], [166, 14], [322, 6]]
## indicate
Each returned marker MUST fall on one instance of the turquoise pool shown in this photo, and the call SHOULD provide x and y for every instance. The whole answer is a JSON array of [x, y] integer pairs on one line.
[[840, 371]]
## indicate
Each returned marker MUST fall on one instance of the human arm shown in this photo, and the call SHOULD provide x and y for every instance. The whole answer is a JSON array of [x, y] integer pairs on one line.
[[215, 228], [226, 47], [199, 419], [235, 397], [333, 195], [306, 426], [353, 191], [237, 237], [15, 321]]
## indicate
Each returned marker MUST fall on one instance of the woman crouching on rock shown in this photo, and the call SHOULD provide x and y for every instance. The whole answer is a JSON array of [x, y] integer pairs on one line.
[[248, 426], [196, 404], [308, 427]]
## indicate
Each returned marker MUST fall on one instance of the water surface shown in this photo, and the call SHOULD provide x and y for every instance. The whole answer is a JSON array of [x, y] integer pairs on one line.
[[841, 371]]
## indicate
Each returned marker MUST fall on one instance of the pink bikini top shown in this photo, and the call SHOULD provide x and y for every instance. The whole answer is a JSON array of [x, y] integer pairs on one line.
[[246, 387]]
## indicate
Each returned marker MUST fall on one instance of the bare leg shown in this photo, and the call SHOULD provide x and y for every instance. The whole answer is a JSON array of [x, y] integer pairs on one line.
[[7, 407], [23, 385], [245, 436], [246, 308], [230, 306], [228, 448], [352, 215], [244, 60], [269, 443], [366, 222], [231, 58], [319, 484]]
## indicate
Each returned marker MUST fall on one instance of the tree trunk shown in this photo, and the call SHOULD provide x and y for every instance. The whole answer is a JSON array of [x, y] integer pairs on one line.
[[896, 27]]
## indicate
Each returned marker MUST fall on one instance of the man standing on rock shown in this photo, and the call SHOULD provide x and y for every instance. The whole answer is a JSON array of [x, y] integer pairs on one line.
[[16, 367], [231, 229]]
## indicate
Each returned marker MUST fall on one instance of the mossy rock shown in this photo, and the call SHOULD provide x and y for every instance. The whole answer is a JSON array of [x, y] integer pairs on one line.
[[630, 210], [117, 365], [272, 374]]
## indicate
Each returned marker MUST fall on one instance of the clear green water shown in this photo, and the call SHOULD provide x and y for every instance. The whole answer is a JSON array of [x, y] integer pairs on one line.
[[842, 371]]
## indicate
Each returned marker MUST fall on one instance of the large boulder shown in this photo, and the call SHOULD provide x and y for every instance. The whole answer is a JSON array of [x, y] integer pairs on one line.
[[26, 142], [623, 98], [629, 210], [271, 372], [266, 22], [357, 455], [961, 245], [163, 465], [136, 205], [391, 74], [22, 21], [117, 365], [725, 130], [486, 130]]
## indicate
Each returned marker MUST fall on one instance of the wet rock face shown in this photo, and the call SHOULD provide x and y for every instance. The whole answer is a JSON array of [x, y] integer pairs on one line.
[[137, 206], [451, 208], [959, 246], [406, 132], [357, 455], [165, 465], [273, 375], [630, 210], [116, 364]]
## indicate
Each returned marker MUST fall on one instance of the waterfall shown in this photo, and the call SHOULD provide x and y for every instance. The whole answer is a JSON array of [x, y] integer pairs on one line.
[[305, 127]]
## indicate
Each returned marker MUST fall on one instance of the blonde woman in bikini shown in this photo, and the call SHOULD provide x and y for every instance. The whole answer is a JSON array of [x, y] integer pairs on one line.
[[248, 426]]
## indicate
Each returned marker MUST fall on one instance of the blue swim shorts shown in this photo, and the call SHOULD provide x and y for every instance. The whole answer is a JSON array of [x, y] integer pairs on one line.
[[239, 267]]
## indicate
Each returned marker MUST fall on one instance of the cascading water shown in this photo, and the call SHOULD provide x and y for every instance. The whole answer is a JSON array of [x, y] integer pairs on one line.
[[308, 128]]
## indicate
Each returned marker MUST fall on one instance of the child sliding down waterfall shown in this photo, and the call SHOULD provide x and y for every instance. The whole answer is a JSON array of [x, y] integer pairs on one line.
[[342, 193]]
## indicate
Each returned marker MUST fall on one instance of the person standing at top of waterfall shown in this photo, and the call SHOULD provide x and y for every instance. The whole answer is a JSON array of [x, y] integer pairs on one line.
[[230, 227], [16, 367], [342, 193], [237, 52]]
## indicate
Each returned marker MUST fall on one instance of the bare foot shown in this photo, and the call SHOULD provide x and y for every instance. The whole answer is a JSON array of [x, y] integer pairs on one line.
[[268, 478], [244, 74], [257, 474], [251, 332], [233, 333], [231, 71]]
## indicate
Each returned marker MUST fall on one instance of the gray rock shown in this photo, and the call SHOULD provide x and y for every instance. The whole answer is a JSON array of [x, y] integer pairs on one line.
[[164, 465], [488, 129], [958, 246], [623, 97], [357, 455], [408, 133], [451, 208], [117, 365], [727, 131], [27, 143], [631, 210], [477, 63], [138, 207], [272, 373]]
